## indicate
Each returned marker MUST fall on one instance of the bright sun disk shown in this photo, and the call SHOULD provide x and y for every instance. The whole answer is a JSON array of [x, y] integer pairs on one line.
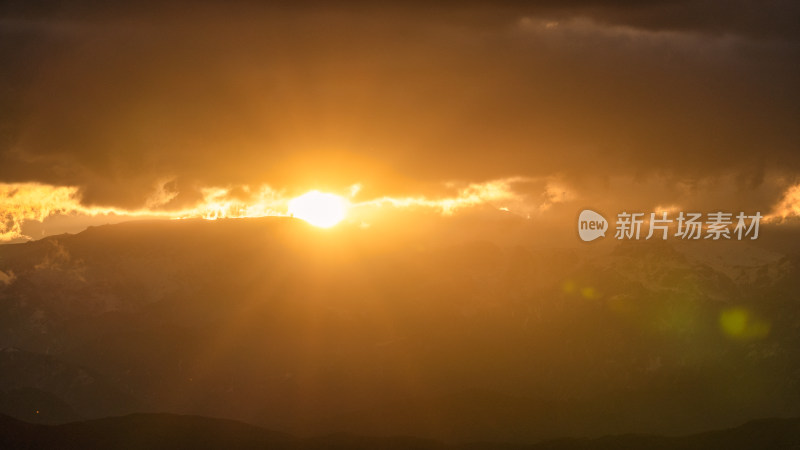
[[319, 208]]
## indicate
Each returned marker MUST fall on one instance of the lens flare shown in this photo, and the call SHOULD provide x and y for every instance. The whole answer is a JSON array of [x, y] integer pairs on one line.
[[740, 324]]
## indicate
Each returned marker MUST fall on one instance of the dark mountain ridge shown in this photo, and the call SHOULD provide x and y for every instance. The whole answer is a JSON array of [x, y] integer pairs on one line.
[[166, 431], [310, 331]]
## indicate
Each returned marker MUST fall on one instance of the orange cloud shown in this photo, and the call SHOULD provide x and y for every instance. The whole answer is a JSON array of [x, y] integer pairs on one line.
[[31, 201], [36, 202], [21, 202], [789, 206], [499, 193]]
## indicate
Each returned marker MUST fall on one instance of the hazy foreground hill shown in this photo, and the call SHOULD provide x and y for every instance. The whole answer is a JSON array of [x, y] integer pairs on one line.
[[308, 331], [165, 431]]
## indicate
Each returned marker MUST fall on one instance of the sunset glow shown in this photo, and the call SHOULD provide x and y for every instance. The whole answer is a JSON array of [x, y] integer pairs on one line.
[[394, 224]]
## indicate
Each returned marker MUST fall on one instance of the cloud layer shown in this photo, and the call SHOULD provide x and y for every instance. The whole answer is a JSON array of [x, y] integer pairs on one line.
[[148, 108]]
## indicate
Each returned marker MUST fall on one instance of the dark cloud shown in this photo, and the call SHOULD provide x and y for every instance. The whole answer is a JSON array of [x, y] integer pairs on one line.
[[119, 99], [768, 19]]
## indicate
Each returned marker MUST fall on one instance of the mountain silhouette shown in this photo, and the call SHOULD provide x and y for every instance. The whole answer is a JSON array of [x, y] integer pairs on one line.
[[316, 332], [166, 431]]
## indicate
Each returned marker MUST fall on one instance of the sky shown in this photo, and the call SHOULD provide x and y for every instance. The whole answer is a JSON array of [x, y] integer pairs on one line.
[[473, 110]]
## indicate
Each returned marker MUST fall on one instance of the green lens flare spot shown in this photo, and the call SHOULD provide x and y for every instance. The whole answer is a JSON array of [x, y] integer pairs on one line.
[[740, 324]]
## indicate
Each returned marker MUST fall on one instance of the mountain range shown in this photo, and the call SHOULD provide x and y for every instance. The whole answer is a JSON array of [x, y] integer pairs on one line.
[[167, 431], [311, 332]]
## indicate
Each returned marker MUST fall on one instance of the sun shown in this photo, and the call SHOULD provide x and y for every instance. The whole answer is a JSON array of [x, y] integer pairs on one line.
[[319, 208]]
